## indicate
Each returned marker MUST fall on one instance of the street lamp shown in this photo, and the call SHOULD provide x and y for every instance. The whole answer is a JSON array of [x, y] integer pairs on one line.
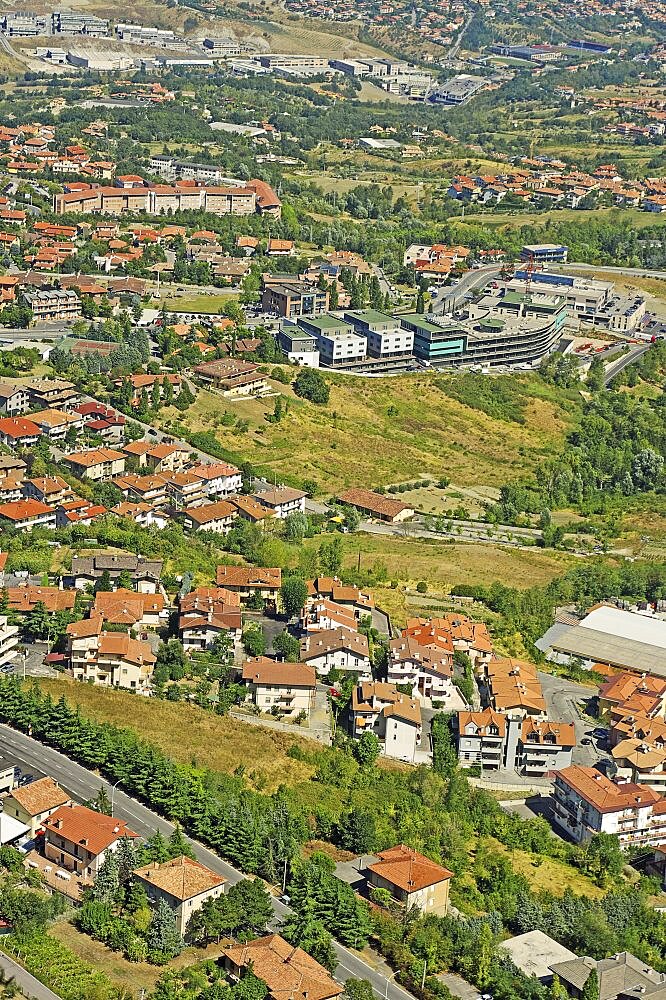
[[113, 791]]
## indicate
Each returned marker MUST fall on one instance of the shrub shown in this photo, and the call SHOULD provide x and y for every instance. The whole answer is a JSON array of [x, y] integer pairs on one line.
[[422, 587]]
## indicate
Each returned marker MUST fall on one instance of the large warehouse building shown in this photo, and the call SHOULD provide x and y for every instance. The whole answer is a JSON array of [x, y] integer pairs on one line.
[[622, 640]]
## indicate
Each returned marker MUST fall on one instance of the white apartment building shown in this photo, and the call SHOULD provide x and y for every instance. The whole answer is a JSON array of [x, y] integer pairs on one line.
[[338, 649], [8, 641], [586, 802], [109, 659], [219, 479], [284, 688], [393, 717], [428, 670], [385, 336]]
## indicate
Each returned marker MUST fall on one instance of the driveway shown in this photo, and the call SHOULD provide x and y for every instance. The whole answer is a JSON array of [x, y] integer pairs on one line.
[[565, 700]]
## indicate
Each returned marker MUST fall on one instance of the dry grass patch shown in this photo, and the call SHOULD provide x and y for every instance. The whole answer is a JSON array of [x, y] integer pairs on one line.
[[547, 873], [188, 733], [355, 440]]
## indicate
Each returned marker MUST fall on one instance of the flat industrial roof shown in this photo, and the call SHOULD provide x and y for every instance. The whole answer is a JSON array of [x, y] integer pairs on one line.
[[534, 953], [620, 638]]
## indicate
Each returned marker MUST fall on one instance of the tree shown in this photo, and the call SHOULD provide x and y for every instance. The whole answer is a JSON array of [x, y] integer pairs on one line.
[[358, 989], [296, 527], [107, 881], [293, 595], [104, 584], [254, 639], [366, 749], [330, 556], [596, 375], [164, 941], [178, 846], [125, 581], [358, 832], [156, 848], [602, 857], [311, 384], [591, 987], [101, 803], [287, 646], [420, 301]]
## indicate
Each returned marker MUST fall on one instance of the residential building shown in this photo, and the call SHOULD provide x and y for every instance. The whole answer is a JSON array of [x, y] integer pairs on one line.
[[375, 505], [22, 600], [539, 747], [219, 479], [19, 432], [284, 689], [298, 346], [151, 490], [620, 977], [143, 513], [48, 489], [145, 573], [127, 607], [13, 399], [411, 878], [233, 377], [79, 839], [54, 305], [287, 970], [482, 739], [8, 641], [535, 953], [218, 517], [55, 424], [12, 467], [55, 393], [163, 458], [78, 511], [320, 614], [24, 515], [110, 659], [281, 501], [97, 464], [31, 804], [586, 802], [184, 489], [454, 631], [337, 649], [207, 613], [393, 717], [428, 670], [513, 686], [183, 884], [250, 581]]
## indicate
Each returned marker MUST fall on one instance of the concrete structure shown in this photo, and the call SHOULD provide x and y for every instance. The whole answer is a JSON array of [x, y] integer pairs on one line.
[[386, 337], [337, 342], [586, 802], [534, 953], [217, 517], [412, 879], [494, 741], [298, 346], [183, 884], [545, 253], [14, 399], [291, 297], [281, 689], [457, 90], [54, 304], [435, 342]]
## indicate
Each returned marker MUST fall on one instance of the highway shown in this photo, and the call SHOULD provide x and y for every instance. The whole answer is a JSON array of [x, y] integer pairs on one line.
[[38, 759], [627, 359]]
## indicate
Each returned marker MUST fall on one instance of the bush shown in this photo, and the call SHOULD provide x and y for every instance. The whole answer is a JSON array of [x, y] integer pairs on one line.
[[422, 587], [311, 385]]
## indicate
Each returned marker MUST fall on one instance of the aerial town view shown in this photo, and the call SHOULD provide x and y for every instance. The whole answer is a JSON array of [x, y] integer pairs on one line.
[[333, 500]]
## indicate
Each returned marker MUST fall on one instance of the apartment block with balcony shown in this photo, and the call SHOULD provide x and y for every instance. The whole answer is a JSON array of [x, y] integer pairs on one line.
[[284, 689], [481, 738], [586, 802], [8, 641], [78, 839], [108, 659]]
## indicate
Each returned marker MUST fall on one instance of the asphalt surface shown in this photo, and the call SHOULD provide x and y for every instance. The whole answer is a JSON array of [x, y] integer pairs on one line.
[[35, 758], [563, 699], [627, 359], [450, 297]]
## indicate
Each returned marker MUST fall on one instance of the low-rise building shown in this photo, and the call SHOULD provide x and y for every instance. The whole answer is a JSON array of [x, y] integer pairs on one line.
[[8, 641], [281, 501], [150, 490], [79, 839], [233, 377], [183, 884], [109, 659], [54, 304], [337, 649], [19, 432], [184, 489], [428, 670], [14, 399], [620, 977], [291, 297], [24, 515], [586, 802], [393, 717], [386, 337], [218, 517], [23, 600], [287, 970], [284, 689], [513, 686], [48, 489], [127, 607], [377, 506], [250, 581], [52, 393], [56, 424], [219, 479], [145, 573], [31, 804], [207, 613], [97, 464], [411, 878], [337, 341]]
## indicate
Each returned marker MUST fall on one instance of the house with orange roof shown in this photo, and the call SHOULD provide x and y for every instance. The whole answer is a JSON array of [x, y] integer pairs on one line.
[[429, 671], [33, 803], [288, 971], [24, 515], [109, 659], [19, 432], [206, 613], [97, 464], [128, 607], [394, 718], [279, 688], [412, 879], [182, 883], [79, 839], [586, 802]]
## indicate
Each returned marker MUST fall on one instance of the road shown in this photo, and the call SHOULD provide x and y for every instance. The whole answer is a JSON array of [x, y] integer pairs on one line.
[[563, 698], [448, 299], [40, 760], [29, 986], [615, 367], [634, 272]]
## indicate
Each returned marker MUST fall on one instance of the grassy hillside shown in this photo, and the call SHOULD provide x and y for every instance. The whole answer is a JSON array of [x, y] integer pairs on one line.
[[380, 431], [189, 733]]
